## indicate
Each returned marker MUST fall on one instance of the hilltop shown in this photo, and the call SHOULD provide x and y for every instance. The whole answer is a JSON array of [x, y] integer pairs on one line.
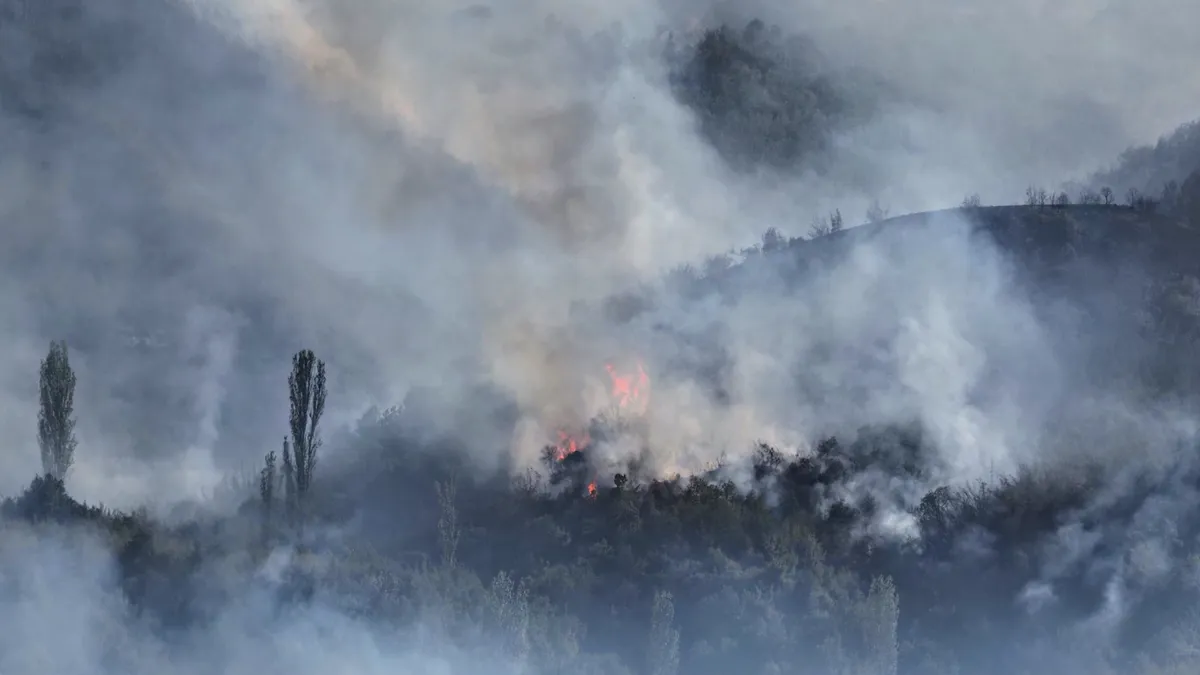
[[1150, 169]]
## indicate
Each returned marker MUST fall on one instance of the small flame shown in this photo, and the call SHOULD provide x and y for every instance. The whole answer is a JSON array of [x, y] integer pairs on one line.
[[629, 389], [592, 489], [569, 445]]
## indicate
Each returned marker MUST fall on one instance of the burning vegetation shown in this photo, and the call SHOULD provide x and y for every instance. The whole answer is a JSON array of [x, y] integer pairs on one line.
[[630, 391], [569, 444], [629, 394]]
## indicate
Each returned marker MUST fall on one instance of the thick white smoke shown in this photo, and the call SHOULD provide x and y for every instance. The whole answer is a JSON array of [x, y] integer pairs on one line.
[[427, 192], [423, 192], [64, 612]]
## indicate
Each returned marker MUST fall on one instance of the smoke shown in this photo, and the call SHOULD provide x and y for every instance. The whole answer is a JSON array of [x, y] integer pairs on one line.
[[1008, 95], [65, 612], [426, 194], [439, 196]]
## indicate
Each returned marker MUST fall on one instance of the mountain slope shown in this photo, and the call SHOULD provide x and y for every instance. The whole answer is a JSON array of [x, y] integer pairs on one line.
[[1149, 168]]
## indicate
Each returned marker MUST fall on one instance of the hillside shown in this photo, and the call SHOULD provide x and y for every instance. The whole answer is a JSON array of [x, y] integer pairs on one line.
[[784, 569], [957, 442], [1113, 287], [1150, 168]]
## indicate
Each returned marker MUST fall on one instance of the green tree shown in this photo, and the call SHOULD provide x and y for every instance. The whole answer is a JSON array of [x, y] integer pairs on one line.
[[56, 425], [306, 393]]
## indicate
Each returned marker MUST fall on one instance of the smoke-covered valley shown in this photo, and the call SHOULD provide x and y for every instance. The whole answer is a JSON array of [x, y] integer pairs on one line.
[[583, 413]]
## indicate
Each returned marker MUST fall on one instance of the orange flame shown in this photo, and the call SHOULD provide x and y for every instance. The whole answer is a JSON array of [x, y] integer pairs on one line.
[[629, 389], [592, 489], [569, 445]]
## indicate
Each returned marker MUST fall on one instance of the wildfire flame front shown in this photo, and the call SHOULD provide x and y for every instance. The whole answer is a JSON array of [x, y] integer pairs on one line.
[[629, 391]]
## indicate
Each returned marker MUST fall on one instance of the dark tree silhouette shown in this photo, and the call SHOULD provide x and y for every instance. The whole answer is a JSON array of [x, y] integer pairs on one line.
[[836, 222], [56, 424], [306, 394]]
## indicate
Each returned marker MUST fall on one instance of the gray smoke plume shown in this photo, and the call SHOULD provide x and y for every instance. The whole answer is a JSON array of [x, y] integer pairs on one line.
[[426, 194]]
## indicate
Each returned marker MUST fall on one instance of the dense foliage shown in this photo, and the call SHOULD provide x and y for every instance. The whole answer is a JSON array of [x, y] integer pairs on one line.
[[782, 578]]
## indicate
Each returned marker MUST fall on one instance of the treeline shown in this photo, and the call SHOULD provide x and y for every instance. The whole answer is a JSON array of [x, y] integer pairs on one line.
[[1149, 169], [1175, 199], [804, 569]]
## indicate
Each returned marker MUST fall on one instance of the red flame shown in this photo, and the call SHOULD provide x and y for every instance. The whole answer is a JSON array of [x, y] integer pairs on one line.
[[569, 445], [629, 389]]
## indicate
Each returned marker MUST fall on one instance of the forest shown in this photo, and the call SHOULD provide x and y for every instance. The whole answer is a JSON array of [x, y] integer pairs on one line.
[[559, 569], [389, 545]]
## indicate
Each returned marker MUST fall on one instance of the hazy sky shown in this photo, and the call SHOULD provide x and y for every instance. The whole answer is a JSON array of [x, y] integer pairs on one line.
[[421, 191]]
